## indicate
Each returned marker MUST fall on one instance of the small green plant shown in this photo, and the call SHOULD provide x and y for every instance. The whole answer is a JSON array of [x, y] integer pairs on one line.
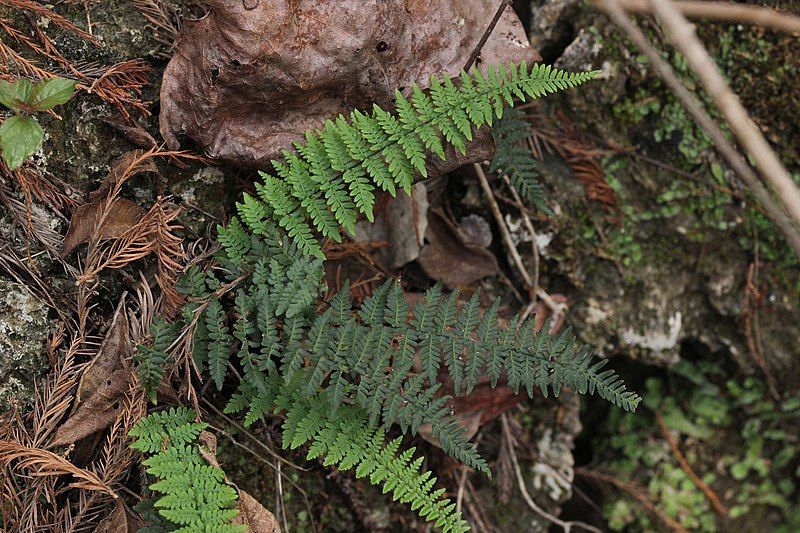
[[193, 494], [732, 433], [20, 134]]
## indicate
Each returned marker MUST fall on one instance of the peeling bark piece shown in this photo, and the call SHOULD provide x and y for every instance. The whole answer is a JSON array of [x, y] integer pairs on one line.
[[448, 256], [247, 80]]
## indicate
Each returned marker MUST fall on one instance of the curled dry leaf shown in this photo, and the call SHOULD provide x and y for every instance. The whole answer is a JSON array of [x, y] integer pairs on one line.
[[251, 77], [103, 385], [99, 411], [255, 516], [402, 223], [113, 355], [92, 219]]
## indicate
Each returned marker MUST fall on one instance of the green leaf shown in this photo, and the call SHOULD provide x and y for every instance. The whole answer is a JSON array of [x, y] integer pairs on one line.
[[49, 93], [20, 137], [12, 94]]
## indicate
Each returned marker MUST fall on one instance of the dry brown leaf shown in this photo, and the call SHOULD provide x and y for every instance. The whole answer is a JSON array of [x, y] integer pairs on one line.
[[450, 258], [255, 516], [99, 411], [113, 355], [119, 521], [250, 77], [88, 221]]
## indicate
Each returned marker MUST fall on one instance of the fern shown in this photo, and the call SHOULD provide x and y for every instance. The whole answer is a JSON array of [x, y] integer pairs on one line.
[[513, 158], [333, 175], [151, 360], [343, 377], [193, 494]]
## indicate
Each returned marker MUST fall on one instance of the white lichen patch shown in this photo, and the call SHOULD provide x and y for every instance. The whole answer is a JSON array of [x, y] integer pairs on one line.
[[656, 340], [23, 332]]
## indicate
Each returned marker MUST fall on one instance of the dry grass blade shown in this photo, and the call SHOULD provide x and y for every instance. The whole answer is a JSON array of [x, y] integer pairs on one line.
[[45, 463]]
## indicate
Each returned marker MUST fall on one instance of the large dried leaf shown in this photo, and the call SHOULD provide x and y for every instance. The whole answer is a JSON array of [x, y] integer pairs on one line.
[[113, 355], [99, 411], [89, 220], [251, 77], [92, 220], [253, 515]]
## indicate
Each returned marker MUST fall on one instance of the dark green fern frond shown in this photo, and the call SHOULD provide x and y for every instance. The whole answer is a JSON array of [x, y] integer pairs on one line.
[[151, 359], [344, 439], [193, 494], [335, 172], [513, 158]]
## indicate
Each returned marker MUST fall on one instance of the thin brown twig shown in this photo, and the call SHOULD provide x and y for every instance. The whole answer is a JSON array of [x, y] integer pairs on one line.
[[565, 525], [695, 108], [725, 11], [556, 307], [710, 495], [488, 32]]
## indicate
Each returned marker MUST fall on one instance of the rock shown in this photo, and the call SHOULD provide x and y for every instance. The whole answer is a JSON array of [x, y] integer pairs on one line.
[[24, 328]]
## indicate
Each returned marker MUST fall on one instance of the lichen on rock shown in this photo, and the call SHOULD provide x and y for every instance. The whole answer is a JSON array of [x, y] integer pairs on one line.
[[24, 328]]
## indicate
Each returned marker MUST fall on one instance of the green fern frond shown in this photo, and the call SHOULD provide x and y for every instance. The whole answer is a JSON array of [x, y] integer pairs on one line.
[[193, 494], [513, 158], [343, 438], [334, 173]]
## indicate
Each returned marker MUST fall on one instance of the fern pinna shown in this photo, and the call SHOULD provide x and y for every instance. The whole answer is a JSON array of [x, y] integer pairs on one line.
[[513, 157], [193, 494], [332, 176]]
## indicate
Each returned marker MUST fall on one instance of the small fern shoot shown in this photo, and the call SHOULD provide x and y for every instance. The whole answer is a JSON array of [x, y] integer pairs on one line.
[[193, 494], [333, 175]]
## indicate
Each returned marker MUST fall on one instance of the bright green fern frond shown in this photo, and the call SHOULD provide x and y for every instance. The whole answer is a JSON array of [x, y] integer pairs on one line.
[[193, 495], [342, 163]]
